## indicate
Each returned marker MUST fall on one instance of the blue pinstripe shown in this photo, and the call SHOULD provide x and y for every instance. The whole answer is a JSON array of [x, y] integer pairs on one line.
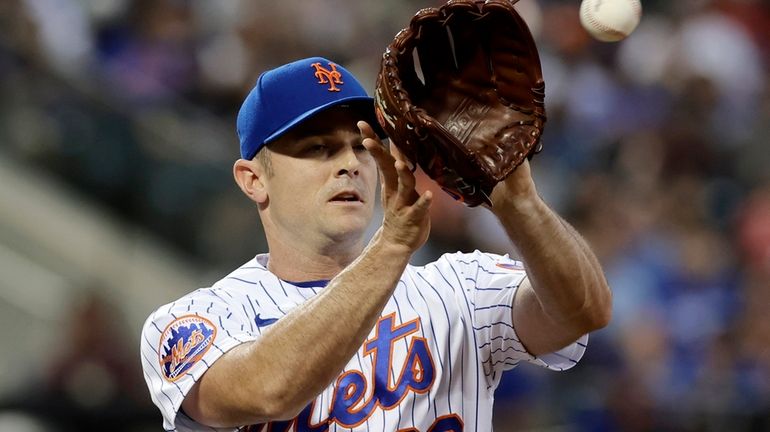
[[241, 280], [435, 344], [493, 306], [448, 333], [463, 292], [475, 342], [271, 297], [564, 357], [422, 333], [492, 364], [493, 324], [159, 376], [214, 293], [504, 338], [406, 345], [449, 327], [491, 353], [280, 283]]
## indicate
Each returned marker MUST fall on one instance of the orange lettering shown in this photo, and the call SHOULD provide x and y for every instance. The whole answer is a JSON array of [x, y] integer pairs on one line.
[[180, 350], [328, 76]]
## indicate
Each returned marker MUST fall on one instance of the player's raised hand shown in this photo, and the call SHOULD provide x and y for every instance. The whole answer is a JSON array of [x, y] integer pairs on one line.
[[406, 220]]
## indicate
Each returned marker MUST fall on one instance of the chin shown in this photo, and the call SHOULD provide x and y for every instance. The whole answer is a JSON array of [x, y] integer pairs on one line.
[[353, 226], [350, 226]]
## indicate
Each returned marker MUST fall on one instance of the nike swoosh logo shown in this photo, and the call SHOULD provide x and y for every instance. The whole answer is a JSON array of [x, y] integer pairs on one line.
[[262, 322]]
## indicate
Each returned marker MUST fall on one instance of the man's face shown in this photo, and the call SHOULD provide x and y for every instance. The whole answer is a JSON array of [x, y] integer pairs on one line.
[[323, 180]]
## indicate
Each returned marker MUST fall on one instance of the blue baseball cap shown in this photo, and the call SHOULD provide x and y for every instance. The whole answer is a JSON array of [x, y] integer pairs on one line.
[[286, 96]]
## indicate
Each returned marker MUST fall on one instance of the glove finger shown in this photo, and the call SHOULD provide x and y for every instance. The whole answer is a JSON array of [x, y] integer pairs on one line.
[[434, 50], [465, 24], [456, 48], [514, 61], [470, 37], [403, 50]]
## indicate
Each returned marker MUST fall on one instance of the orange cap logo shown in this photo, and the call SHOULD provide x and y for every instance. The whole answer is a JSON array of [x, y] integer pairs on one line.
[[328, 76]]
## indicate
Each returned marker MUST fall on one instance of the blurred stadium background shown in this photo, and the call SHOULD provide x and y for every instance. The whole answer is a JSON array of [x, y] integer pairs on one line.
[[116, 144]]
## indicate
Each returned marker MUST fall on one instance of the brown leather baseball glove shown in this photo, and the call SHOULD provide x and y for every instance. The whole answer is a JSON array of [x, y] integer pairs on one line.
[[478, 110]]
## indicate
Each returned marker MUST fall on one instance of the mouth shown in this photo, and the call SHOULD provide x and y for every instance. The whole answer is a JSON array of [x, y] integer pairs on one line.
[[347, 196]]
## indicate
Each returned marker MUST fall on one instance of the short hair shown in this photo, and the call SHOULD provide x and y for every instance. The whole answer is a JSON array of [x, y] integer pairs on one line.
[[263, 157]]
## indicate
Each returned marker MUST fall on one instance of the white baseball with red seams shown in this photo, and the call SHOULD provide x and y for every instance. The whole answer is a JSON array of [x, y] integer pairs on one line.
[[610, 20]]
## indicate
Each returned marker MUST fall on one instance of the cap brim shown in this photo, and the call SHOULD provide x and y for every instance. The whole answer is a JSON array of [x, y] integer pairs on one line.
[[368, 115]]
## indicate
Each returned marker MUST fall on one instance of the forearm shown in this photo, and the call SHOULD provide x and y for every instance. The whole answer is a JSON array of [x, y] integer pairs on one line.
[[563, 270], [566, 277], [276, 376]]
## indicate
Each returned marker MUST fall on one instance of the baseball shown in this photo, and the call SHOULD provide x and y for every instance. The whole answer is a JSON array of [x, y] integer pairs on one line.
[[610, 20]]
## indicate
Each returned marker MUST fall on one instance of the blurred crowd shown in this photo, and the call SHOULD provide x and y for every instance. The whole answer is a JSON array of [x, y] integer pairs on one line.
[[655, 149]]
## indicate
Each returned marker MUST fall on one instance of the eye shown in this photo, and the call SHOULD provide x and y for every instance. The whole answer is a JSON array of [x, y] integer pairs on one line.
[[359, 148], [316, 147]]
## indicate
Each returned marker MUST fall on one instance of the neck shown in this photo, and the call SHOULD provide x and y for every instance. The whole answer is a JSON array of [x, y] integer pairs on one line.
[[306, 262]]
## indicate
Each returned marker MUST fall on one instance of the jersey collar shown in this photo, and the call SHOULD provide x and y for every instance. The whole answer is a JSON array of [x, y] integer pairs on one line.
[[310, 284]]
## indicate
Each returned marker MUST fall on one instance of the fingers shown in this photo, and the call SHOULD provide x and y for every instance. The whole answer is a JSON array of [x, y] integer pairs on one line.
[[407, 195], [388, 175], [395, 175], [422, 205], [388, 172], [366, 130], [397, 155]]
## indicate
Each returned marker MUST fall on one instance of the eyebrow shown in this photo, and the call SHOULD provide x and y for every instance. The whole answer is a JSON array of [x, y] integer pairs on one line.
[[349, 136], [295, 142], [323, 130]]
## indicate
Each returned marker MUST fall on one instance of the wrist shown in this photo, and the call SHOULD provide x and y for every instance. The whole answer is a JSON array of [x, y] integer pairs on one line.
[[508, 200], [389, 250], [520, 214], [516, 189]]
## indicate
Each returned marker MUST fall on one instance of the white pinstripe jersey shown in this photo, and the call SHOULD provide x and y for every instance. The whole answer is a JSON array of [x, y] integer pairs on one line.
[[430, 364]]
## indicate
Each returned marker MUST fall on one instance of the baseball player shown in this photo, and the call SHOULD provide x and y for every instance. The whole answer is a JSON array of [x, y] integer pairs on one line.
[[326, 332]]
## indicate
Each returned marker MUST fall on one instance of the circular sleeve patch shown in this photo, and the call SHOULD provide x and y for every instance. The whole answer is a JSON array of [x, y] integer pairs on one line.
[[183, 343]]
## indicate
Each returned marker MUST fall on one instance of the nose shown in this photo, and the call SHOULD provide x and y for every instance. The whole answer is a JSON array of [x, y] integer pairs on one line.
[[349, 162]]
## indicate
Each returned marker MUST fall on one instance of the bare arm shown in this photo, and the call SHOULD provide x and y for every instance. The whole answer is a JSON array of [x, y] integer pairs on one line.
[[565, 295], [276, 376]]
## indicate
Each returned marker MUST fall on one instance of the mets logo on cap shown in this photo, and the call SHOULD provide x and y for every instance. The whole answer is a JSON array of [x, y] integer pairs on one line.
[[330, 76], [183, 343]]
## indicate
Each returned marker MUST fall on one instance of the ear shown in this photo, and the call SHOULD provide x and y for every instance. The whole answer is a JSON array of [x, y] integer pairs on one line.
[[251, 176]]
